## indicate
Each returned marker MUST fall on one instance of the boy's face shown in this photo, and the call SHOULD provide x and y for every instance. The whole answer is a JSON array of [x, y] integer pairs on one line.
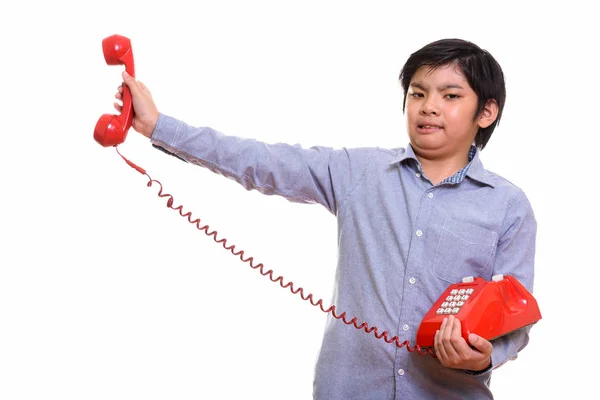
[[440, 107]]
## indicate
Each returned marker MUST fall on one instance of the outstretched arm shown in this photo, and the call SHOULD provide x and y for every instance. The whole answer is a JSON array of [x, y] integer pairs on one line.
[[315, 175]]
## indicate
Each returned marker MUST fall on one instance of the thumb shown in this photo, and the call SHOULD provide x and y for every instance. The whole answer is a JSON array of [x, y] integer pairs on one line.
[[480, 343], [131, 83]]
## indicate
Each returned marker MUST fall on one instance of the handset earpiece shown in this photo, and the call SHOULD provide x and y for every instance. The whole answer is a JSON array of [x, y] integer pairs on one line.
[[111, 129]]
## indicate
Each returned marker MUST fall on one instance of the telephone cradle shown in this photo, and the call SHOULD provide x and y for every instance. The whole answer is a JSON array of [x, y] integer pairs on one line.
[[489, 309]]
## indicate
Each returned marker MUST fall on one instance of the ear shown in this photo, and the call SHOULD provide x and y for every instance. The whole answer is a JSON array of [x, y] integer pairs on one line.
[[489, 114]]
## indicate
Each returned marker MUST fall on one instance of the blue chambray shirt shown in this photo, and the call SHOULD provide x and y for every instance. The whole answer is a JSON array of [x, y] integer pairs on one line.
[[402, 241]]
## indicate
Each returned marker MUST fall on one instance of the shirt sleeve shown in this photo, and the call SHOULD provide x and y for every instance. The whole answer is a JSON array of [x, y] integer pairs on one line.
[[317, 174], [515, 256]]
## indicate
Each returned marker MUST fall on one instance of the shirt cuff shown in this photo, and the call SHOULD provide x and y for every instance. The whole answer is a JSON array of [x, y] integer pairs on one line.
[[483, 371]]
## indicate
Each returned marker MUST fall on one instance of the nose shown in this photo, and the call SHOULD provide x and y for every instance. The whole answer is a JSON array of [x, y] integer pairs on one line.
[[429, 107]]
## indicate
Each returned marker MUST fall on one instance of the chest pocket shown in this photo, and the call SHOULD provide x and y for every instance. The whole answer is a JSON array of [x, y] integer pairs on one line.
[[464, 249]]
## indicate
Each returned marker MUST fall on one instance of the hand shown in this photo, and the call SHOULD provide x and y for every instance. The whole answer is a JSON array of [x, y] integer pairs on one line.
[[145, 112], [453, 351]]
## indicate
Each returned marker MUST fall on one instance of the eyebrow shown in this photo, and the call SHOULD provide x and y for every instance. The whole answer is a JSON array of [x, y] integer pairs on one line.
[[440, 88]]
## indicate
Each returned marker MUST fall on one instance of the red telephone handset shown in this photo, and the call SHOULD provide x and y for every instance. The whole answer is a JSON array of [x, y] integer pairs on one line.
[[111, 129], [488, 309]]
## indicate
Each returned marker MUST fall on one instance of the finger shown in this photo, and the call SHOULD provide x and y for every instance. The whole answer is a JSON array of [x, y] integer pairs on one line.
[[459, 344], [118, 107], [450, 336], [442, 329], [438, 338], [118, 95], [438, 346], [131, 83]]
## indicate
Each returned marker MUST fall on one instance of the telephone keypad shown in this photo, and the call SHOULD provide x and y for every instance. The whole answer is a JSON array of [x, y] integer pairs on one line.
[[455, 301]]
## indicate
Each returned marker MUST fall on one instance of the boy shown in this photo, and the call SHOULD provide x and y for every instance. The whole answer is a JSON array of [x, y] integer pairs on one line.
[[411, 221]]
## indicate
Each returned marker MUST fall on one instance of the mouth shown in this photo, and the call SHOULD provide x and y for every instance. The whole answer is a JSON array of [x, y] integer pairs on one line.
[[426, 128]]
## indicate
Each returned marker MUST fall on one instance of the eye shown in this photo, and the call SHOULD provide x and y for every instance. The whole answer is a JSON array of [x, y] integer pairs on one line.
[[452, 96], [416, 95]]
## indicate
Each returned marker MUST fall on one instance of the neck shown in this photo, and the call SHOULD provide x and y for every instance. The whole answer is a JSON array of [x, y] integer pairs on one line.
[[439, 168]]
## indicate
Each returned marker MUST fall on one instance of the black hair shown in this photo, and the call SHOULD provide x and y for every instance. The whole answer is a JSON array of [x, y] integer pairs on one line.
[[482, 71]]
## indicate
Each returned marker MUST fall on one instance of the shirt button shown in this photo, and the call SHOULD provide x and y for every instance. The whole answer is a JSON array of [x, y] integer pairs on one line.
[[430, 195], [412, 281], [418, 175], [419, 233], [400, 372], [405, 328]]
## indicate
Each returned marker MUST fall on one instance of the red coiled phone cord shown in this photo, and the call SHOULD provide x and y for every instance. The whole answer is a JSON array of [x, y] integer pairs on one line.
[[261, 268]]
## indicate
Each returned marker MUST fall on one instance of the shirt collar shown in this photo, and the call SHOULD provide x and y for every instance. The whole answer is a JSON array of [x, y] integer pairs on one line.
[[475, 171]]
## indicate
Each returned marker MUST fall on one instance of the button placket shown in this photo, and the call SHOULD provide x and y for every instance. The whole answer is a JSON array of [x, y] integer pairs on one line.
[[421, 224]]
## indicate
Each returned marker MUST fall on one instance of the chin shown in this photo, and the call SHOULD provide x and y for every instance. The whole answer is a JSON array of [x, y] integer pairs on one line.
[[425, 142]]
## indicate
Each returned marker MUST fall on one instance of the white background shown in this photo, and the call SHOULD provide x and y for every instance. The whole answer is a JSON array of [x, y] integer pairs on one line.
[[105, 293]]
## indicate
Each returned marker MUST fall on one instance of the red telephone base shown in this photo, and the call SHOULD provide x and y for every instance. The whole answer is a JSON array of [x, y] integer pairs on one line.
[[488, 309]]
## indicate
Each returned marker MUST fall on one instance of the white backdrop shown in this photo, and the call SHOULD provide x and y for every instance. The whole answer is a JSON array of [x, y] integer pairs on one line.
[[107, 294]]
